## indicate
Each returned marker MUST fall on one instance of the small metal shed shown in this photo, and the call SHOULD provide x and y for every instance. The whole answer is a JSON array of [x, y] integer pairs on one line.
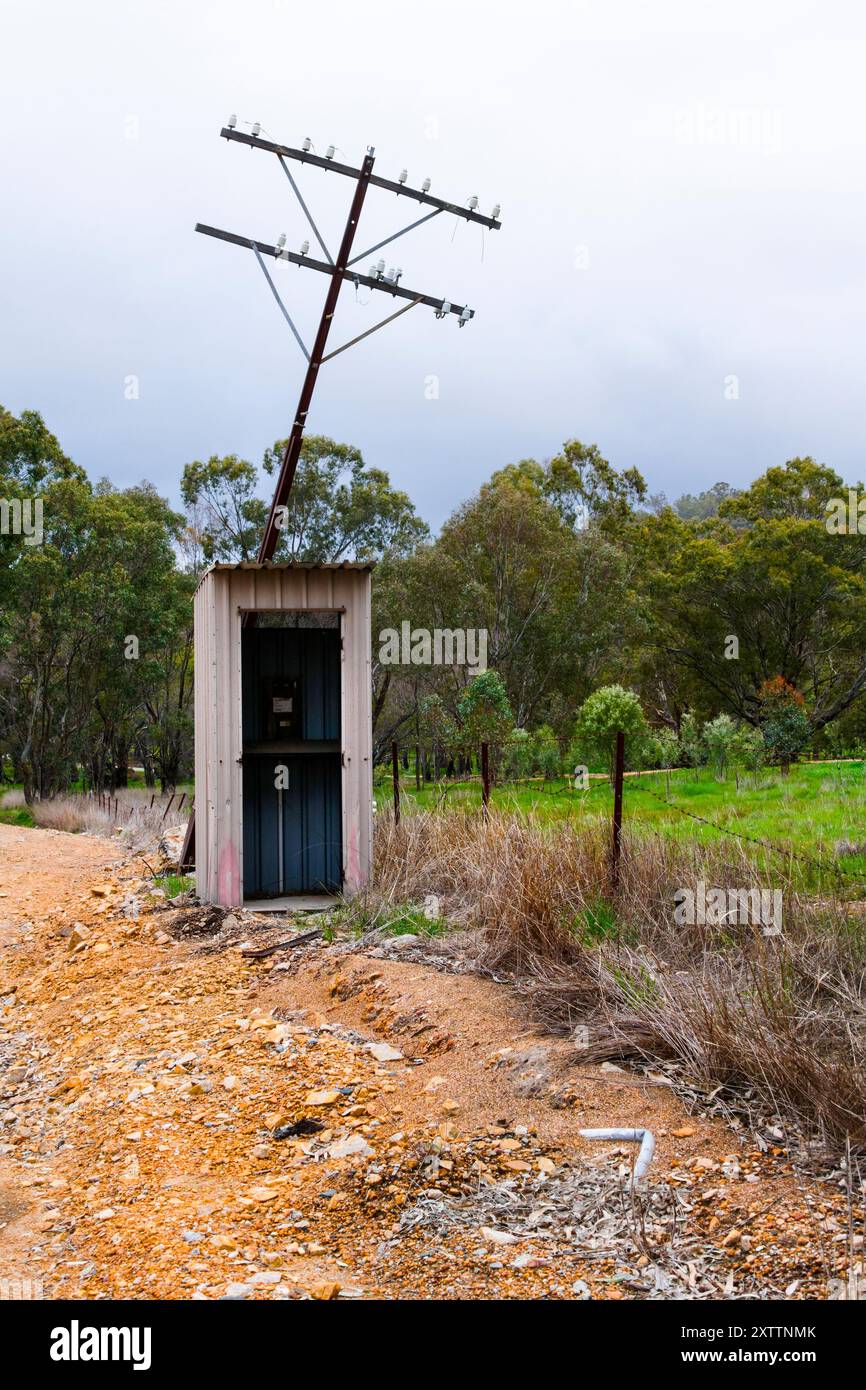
[[283, 731]]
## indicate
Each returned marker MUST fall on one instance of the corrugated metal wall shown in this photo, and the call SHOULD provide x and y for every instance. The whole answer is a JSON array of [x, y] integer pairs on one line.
[[220, 599], [292, 837]]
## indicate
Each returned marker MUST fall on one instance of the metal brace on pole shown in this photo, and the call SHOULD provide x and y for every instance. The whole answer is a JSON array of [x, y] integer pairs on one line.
[[374, 329], [297, 192], [276, 295]]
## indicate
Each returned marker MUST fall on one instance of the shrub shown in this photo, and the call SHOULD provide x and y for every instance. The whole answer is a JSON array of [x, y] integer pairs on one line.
[[517, 755], [749, 749], [437, 727], [600, 717], [784, 722], [660, 748], [532, 754], [546, 760], [484, 711], [719, 738], [693, 752]]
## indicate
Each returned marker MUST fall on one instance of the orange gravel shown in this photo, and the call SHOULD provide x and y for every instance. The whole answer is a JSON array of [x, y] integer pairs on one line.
[[142, 1080]]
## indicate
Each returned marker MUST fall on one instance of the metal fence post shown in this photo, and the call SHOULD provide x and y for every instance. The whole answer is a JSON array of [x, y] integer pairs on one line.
[[616, 846], [485, 779], [395, 774]]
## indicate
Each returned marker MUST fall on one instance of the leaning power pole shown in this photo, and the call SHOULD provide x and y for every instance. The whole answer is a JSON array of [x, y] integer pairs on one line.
[[338, 269]]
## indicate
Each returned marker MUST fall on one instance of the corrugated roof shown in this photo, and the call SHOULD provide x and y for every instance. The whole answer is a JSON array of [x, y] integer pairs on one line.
[[286, 565], [293, 565]]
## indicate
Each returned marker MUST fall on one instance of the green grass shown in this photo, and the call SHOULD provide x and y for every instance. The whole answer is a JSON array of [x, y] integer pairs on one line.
[[406, 919], [810, 812], [172, 884], [597, 922], [412, 922], [16, 815]]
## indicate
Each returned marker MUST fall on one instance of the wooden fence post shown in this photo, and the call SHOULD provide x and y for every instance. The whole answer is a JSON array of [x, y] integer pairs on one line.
[[485, 779], [616, 846], [395, 773]]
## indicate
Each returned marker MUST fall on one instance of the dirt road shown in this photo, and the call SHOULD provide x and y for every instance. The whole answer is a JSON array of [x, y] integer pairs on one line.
[[147, 1085]]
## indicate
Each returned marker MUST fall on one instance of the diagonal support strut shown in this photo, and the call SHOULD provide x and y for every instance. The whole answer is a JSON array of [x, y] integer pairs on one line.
[[394, 235], [275, 292], [309, 216], [368, 331]]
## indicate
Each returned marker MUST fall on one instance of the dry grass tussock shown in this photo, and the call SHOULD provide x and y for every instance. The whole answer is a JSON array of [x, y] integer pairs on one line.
[[778, 1021], [133, 819]]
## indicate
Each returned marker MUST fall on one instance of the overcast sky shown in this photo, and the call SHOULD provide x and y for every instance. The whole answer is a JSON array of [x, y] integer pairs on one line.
[[680, 276]]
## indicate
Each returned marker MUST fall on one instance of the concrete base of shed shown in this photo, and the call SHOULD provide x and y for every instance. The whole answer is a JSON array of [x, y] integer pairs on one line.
[[302, 902]]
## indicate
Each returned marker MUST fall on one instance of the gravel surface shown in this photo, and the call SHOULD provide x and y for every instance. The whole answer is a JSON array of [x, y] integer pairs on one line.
[[179, 1120]]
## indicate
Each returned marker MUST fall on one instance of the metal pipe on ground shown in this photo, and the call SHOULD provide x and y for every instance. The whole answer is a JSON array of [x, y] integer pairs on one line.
[[644, 1137]]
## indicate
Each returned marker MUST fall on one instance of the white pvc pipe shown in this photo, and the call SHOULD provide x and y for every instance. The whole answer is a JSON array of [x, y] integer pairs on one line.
[[644, 1137]]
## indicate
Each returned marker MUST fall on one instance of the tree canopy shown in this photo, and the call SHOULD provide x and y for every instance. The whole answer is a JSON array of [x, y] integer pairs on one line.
[[599, 605]]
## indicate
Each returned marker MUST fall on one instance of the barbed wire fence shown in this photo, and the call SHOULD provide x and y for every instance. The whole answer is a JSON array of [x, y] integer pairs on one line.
[[830, 866], [121, 809], [577, 789]]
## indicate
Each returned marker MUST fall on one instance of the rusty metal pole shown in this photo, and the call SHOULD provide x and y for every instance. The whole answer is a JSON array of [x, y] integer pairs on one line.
[[485, 779], [395, 774], [339, 270], [293, 444], [292, 450], [616, 846]]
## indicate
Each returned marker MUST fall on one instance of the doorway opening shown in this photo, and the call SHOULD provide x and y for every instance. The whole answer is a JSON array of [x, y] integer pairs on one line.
[[292, 779]]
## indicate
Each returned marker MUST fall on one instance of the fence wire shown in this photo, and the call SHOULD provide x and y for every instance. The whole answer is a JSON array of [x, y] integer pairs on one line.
[[830, 866], [834, 868]]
